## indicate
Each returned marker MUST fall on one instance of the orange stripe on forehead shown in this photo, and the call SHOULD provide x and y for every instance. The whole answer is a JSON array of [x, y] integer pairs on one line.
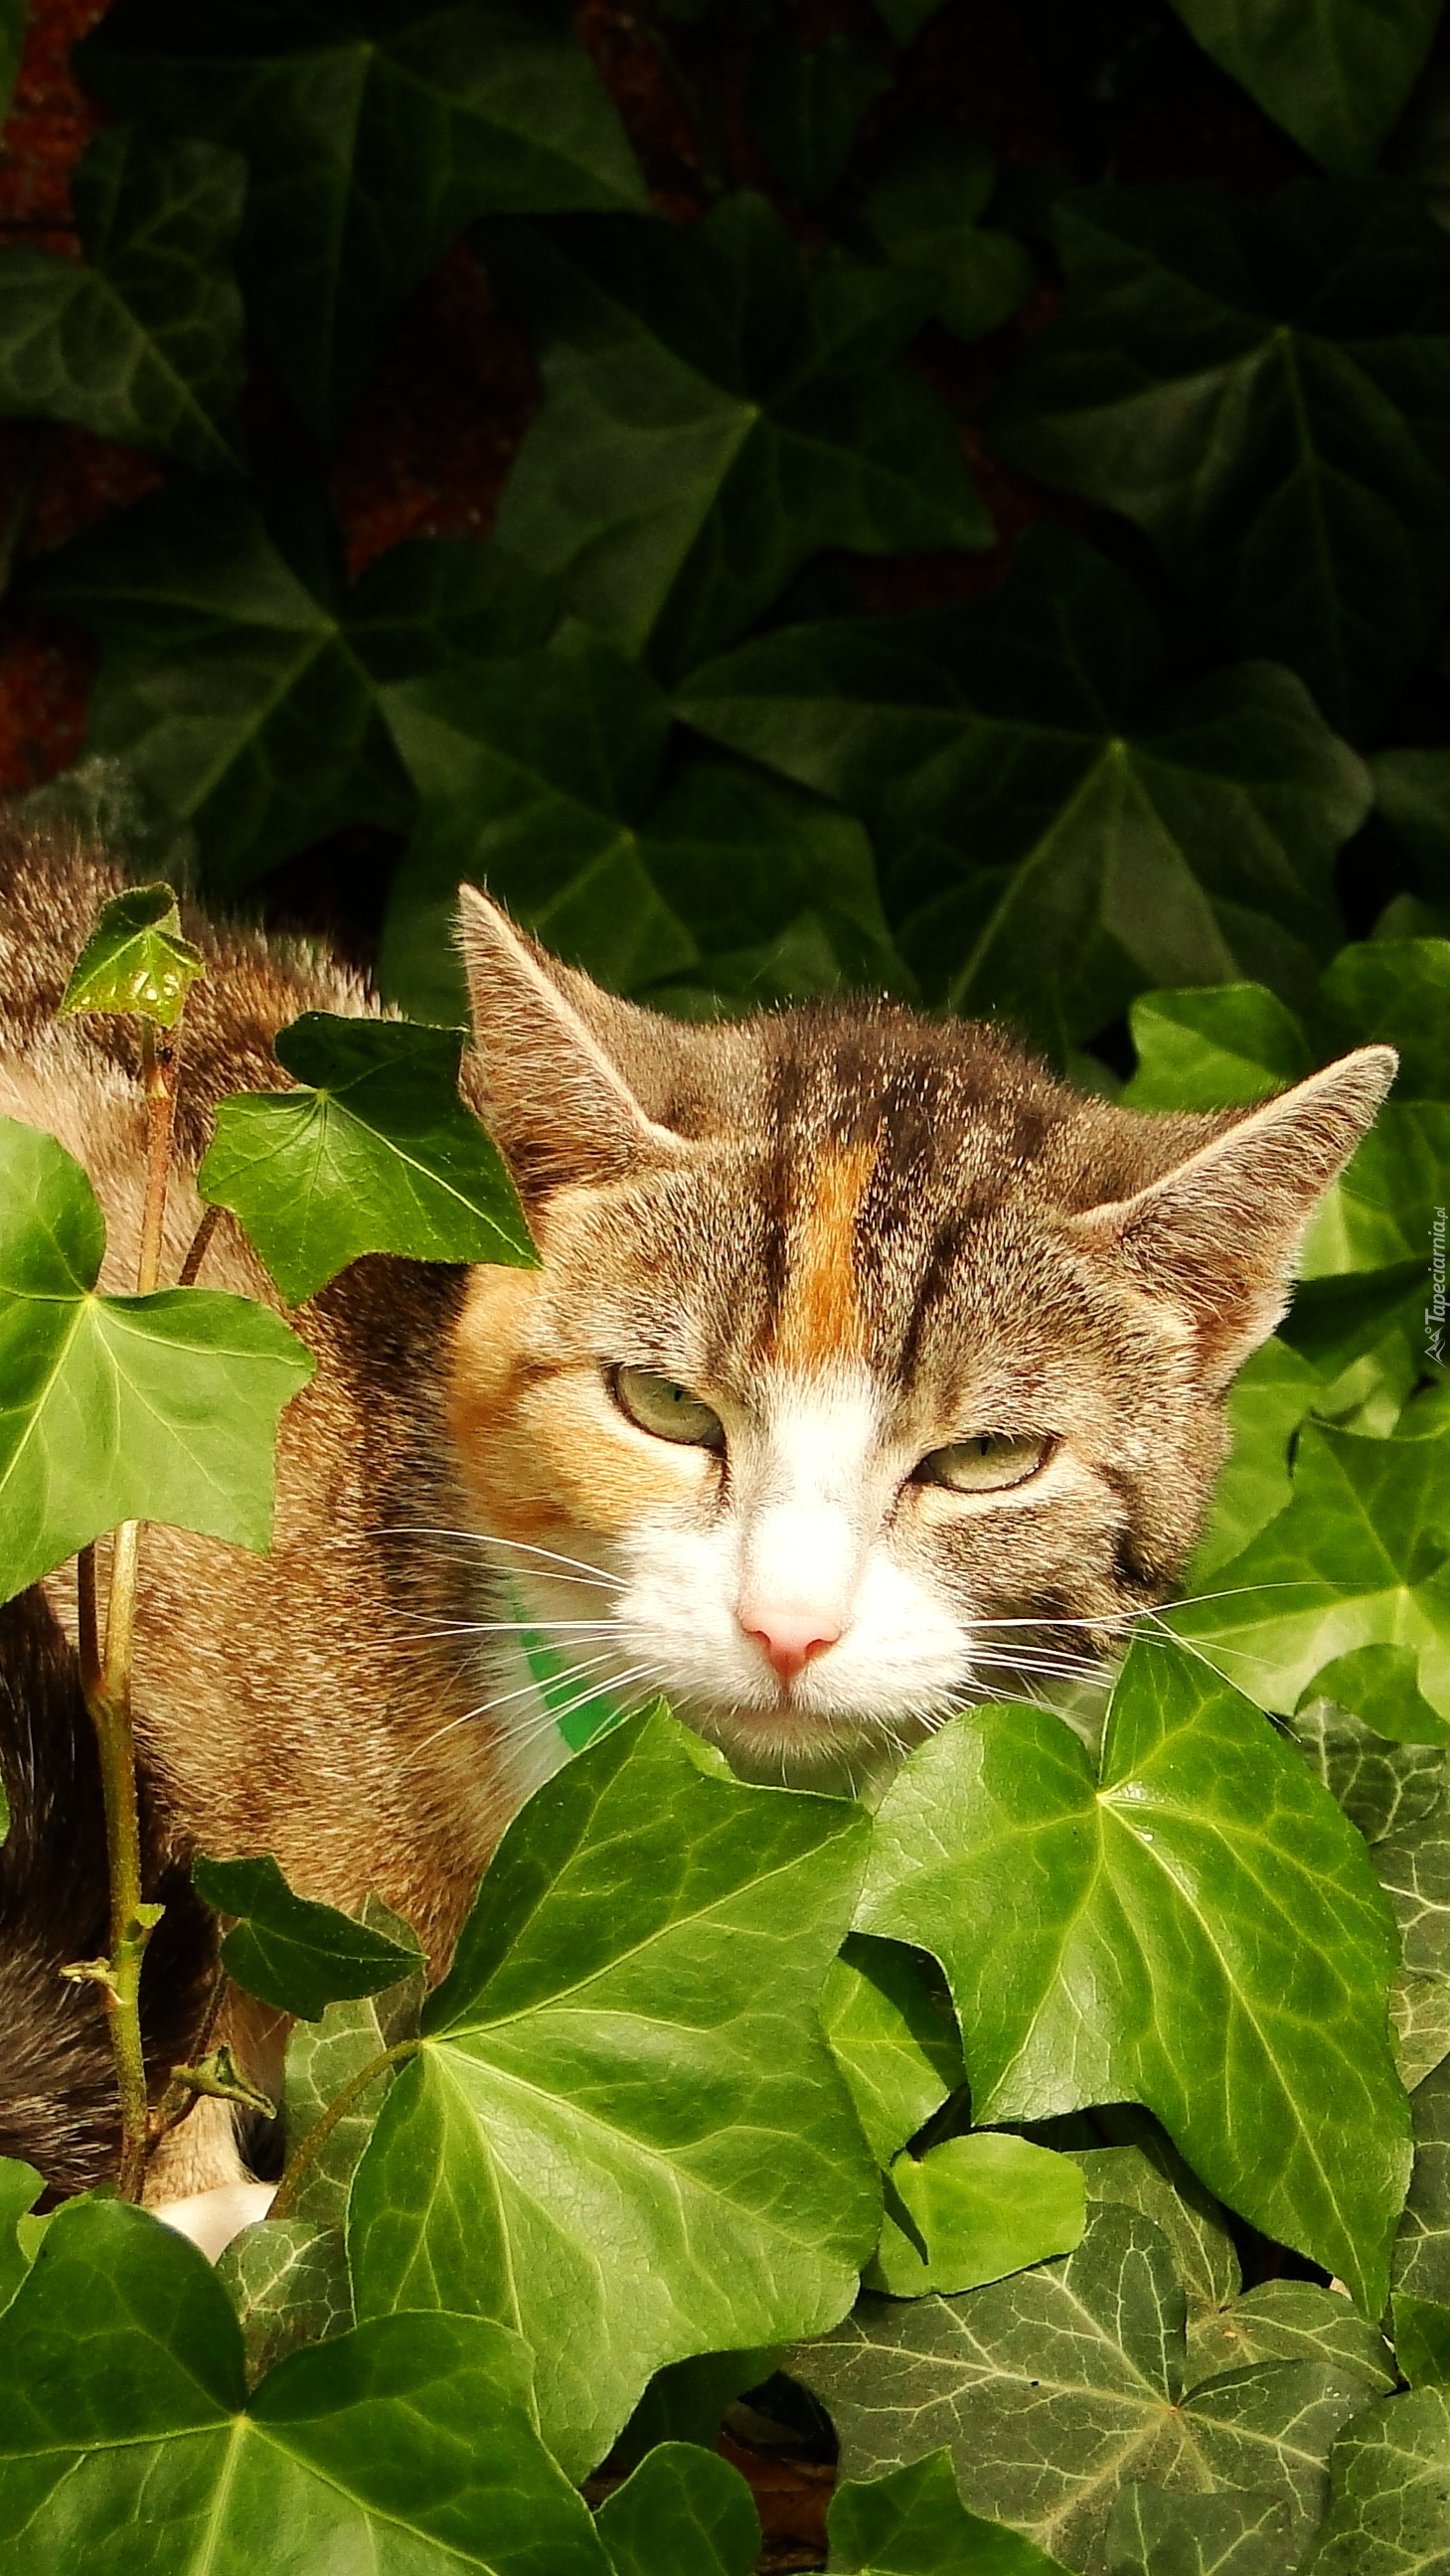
[[820, 1318]]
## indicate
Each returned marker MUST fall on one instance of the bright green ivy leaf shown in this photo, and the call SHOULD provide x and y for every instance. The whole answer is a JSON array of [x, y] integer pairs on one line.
[[135, 959], [144, 342], [1154, 2533], [1421, 2266], [375, 131], [408, 2443], [1391, 2472], [714, 416], [1334, 74], [1192, 1926], [1379, 1210], [624, 2135], [923, 213], [1360, 1557], [894, 2038], [683, 2508], [121, 1408], [1422, 2341], [540, 777], [1269, 1398], [1381, 1684], [1363, 1334], [1265, 391], [1050, 2387], [1213, 1049], [913, 2523], [243, 698], [291, 1952], [1381, 1786], [20, 2188], [375, 1153], [1393, 992], [971, 2210], [1055, 835]]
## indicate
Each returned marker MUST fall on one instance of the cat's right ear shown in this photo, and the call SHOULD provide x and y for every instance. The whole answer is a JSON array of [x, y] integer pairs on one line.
[[540, 1073]]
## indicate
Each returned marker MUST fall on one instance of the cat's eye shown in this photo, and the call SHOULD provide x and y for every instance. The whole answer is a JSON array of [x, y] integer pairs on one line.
[[988, 1463], [670, 1411]]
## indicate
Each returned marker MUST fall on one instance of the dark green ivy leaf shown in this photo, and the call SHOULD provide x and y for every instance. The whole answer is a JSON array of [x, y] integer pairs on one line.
[[1154, 2533], [1391, 992], [123, 2411], [1050, 2387], [1054, 835], [1192, 1926], [1265, 390], [13, 17], [242, 699], [714, 416], [135, 960], [121, 1408], [291, 1952], [144, 342], [375, 1152], [539, 776], [913, 2523], [375, 131], [924, 213], [1332, 73], [1422, 2341], [1391, 2472], [807, 101], [683, 2508]]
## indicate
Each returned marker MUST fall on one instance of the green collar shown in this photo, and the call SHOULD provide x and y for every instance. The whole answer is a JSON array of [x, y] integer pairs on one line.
[[578, 1720]]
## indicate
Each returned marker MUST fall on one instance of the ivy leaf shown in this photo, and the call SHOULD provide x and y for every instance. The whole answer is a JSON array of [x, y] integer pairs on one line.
[[1289, 2321], [906, 18], [287, 2280], [1265, 391], [121, 1408], [374, 135], [323, 2058], [13, 18], [893, 2037], [245, 701], [1153, 2533], [1387, 2512], [623, 2134], [20, 2188], [1055, 835], [913, 2523], [1421, 2267], [1413, 1864], [144, 342], [535, 773], [123, 2406], [1050, 2387], [1422, 2341], [1192, 1926], [714, 417], [1269, 1399], [1333, 79], [1394, 992], [683, 2507], [1358, 1558], [291, 1952], [1151, 2179], [1412, 791], [134, 959], [1376, 1214], [971, 2210], [1419, 2025], [1213, 1049], [1381, 1787], [923, 214], [1381, 1685], [807, 101], [375, 1153]]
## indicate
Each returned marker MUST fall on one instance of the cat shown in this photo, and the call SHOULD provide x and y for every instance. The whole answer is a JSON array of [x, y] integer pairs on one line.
[[870, 1368]]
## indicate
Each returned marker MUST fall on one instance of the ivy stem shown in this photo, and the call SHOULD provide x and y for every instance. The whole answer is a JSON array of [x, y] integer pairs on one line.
[[199, 1247], [322, 2129], [108, 1682]]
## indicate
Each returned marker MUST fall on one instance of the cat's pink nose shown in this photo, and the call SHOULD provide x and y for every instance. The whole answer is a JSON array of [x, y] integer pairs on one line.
[[789, 1639]]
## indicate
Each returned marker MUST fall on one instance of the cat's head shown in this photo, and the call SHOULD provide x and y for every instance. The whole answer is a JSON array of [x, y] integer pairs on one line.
[[871, 1367]]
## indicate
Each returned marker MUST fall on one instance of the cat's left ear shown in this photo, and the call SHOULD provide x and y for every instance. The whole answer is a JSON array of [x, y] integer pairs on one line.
[[1218, 1235]]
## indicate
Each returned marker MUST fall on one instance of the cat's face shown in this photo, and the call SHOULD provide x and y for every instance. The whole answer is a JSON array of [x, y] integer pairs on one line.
[[838, 1393]]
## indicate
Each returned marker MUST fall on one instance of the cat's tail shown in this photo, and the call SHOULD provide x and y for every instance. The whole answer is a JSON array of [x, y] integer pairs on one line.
[[58, 2105]]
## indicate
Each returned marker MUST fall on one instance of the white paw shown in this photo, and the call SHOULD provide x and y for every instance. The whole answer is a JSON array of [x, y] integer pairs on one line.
[[212, 2218]]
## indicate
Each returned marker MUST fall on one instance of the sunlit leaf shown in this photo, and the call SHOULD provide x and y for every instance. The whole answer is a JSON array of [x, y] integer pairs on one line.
[[912, 2522], [971, 2210], [894, 2038], [288, 1950], [135, 959], [1191, 1925], [121, 1408], [683, 2508]]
